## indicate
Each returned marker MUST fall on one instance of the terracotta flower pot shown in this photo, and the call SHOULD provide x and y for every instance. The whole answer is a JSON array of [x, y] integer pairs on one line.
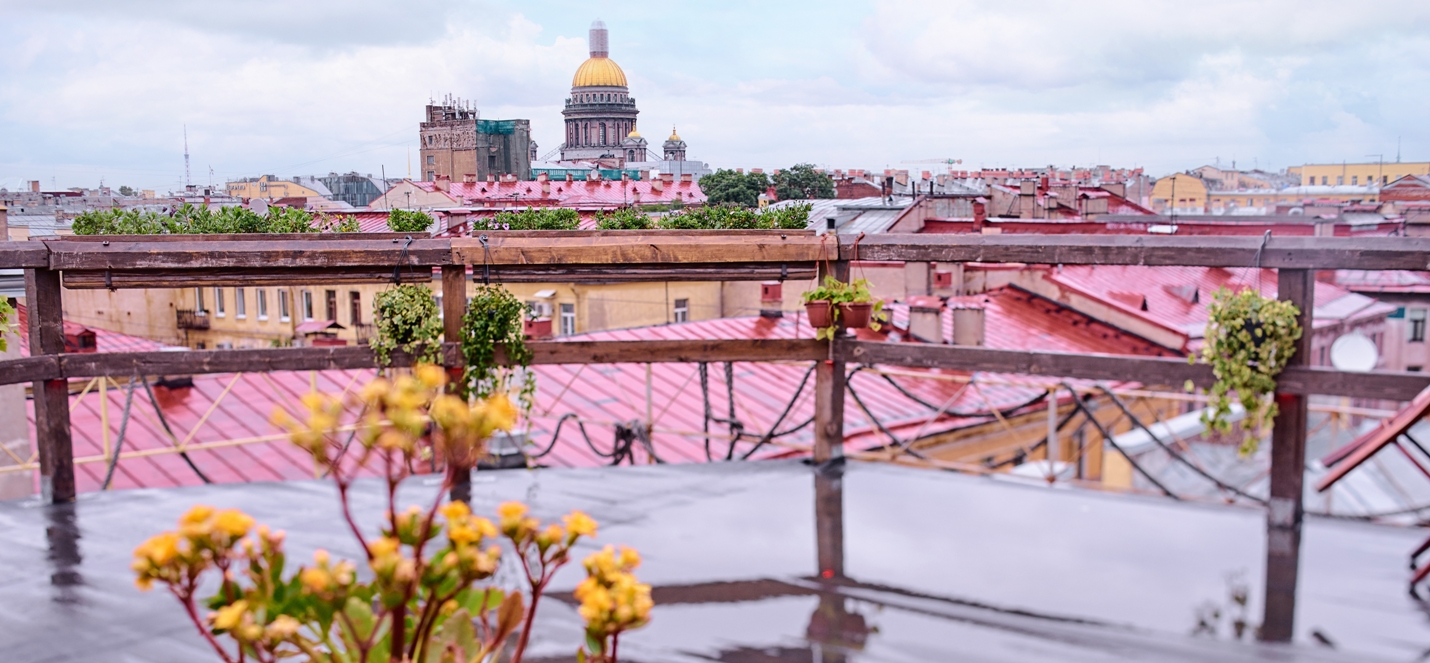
[[855, 315], [821, 314]]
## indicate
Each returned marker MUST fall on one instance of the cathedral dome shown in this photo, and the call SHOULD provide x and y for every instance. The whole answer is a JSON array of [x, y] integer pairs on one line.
[[599, 71]]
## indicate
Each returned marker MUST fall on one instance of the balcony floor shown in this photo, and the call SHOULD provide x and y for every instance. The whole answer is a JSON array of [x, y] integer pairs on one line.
[[938, 567]]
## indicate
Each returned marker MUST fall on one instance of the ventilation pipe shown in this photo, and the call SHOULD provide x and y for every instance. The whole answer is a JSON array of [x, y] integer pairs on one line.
[[968, 325]]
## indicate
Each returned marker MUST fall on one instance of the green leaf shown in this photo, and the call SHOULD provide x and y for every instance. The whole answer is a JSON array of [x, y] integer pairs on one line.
[[360, 614]]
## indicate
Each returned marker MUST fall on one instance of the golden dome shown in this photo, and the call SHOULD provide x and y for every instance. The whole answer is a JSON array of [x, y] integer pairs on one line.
[[633, 134], [599, 72], [673, 135]]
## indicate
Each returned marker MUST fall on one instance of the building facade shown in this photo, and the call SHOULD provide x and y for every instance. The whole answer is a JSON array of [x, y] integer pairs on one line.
[[268, 187], [1353, 174], [600, 113], [455, 142]]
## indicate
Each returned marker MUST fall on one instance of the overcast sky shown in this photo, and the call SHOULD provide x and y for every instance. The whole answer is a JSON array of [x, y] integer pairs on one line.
[[97, 89]]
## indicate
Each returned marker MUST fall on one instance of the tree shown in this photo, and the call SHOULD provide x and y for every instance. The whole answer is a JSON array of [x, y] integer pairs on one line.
[[801, 181], [728, 186], [126, 191]]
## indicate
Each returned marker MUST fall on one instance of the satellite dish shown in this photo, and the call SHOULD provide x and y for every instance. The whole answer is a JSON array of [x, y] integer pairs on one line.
[[1354, 352], [258, 206]]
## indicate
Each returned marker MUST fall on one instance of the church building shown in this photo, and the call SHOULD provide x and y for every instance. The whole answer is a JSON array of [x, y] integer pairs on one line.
[[600, 117]]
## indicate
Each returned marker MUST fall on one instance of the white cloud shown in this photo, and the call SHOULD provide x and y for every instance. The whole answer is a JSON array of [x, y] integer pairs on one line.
[[92, 89]]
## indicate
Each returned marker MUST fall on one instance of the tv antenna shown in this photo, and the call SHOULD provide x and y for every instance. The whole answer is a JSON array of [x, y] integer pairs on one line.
[[186, 156]]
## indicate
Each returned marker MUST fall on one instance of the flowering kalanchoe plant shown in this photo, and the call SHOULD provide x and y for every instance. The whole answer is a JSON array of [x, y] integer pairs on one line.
[[612, 602], [423, 597]]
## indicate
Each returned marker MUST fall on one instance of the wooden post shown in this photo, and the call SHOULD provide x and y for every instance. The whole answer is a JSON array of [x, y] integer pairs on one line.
[[52, 397], [1288, 463], [454, 306], [829, 388]]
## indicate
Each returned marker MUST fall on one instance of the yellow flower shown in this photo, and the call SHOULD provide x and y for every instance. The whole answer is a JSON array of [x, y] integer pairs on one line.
[[511, 510], [233, 522], [375, 391], [455, 510], [144, 583], [230, 615], [382, 547], [501, 412], [550, 535], [282, 628], [315, 579], [196, 514], [430, 375], [159, 550], [579, 524]]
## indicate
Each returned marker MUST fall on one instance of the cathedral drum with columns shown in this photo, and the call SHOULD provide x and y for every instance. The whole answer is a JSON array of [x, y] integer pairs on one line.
[[600, 113]]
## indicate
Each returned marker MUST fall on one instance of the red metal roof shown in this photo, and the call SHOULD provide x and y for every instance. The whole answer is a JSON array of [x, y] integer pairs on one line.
[[1360, 280], [576, 193], [237, 406]]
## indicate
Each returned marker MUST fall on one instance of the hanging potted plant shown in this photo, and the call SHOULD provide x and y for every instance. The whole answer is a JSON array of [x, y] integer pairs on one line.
[[837, 304], [495, 318], [1249, 340], [406, 319]]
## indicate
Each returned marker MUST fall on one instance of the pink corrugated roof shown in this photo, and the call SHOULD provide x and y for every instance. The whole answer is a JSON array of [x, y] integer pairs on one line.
[[599, 395], [578, 193], [1397, 280]]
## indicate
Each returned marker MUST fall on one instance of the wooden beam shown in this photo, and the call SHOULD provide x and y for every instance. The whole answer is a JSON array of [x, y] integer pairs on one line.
[[636, 248], [686, 350], [245, 237], [52, 397], [1288, 473], [242, 277], [593, 274], [23, 255], [1374, 253], [30, 369], [1173, 372], [246, 254]]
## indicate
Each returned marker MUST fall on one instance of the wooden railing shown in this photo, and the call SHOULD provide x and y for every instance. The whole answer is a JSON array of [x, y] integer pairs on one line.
[[626, 256]]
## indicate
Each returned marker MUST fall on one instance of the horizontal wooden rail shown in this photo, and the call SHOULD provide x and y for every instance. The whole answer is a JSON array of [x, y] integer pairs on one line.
[[1144, 370], [1411, 253], [22, 255], [202, 254], [623, 248]]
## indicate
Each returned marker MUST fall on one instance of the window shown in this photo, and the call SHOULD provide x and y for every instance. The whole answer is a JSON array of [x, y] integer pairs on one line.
[[682, 310], [431, 176], [1414, 369], [603, 133], [199, 302], [1340, 179], [1323, 180], [568, 319], [355, 307], [218, 302], [283, 314], [262, 304], [240, 305], [491, 163], [431, 160], [307, 305], [330, 299], [1416, 318], [1355, 179]]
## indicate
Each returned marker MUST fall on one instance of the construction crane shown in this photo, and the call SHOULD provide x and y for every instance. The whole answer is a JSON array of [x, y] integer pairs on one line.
[[948, 164], [548, 155]]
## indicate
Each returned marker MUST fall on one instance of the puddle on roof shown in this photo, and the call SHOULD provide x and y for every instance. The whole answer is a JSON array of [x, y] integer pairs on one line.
[[776, 561]]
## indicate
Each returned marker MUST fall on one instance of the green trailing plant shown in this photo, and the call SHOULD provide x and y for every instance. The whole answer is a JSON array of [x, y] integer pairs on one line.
[[734, 217], [1249, 340], [838, 292], [406, 319], [624, 219], [537, 218], [494, 318], [408, 221], [6, 327], [202, 220]]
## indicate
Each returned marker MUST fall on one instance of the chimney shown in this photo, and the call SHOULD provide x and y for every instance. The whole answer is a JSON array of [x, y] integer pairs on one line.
[[491, 178], [4, 224], [667, 177], [926, 318], [687, 178], [570, 177], [545, 187], [444, 183], [772, 299], [980, 214], [469, 178], [34, 186], [635, 196], [968, 325], [593, 176], [543, 177], [657, 185]]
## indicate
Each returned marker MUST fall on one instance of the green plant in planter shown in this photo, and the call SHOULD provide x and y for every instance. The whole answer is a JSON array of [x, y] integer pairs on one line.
[[6, 310], [408, 221], [838, 292], [538, 218], [406, 319], [495, 317], [1249, 340], [624, 219]]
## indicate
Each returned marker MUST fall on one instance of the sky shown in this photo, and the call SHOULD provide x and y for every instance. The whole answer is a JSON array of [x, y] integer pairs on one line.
[[98, 91]]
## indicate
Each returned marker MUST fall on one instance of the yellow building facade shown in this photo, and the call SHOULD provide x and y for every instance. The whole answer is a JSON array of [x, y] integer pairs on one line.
[[1179, 193], [268, 187], [1225, 201], [1357, 174]]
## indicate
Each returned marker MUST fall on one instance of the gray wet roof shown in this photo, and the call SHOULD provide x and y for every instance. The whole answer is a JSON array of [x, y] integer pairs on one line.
[[937, 567]]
